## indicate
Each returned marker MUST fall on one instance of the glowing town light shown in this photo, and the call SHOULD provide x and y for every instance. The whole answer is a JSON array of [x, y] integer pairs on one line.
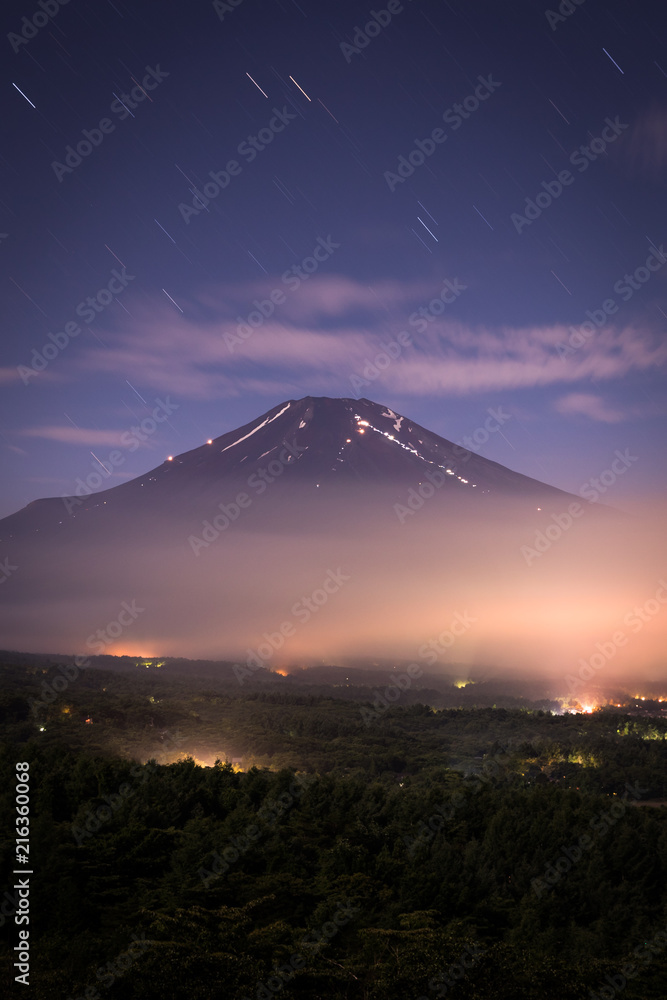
[[170, 458], [210, 441]]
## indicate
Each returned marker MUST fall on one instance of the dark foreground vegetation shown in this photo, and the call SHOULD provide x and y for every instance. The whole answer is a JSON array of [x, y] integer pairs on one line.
[[409, 852]]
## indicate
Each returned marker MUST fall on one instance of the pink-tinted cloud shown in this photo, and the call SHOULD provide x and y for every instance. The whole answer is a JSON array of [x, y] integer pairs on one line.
[[588, 405], [205, 353], [29, 376], [318, 297], [73, 435]]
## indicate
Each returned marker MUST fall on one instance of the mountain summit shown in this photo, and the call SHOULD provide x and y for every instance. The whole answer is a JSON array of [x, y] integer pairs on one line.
[[305, 444], [347, 439]]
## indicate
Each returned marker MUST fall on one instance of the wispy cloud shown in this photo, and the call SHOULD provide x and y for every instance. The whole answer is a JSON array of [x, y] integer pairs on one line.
[[588, 405], [73, 435], [331, 328]]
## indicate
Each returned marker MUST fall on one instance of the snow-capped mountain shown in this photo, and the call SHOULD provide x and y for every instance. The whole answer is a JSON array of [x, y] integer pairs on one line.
[[298, 445], [342, 502]]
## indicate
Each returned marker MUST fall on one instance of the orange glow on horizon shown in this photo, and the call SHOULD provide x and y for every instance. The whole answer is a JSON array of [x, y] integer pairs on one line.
[[124, 651]]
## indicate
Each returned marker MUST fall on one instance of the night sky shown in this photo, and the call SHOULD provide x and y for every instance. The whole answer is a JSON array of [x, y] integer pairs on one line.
[[364, 174]]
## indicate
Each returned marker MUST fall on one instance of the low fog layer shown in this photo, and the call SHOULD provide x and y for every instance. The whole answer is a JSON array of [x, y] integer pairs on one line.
[[313, 579]]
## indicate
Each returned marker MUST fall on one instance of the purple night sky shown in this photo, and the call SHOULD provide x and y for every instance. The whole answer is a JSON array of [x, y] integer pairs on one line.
[[448, 208]]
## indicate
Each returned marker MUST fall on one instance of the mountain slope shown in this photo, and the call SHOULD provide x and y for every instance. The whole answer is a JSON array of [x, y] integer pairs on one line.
[[310, 443], [323, 528]]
